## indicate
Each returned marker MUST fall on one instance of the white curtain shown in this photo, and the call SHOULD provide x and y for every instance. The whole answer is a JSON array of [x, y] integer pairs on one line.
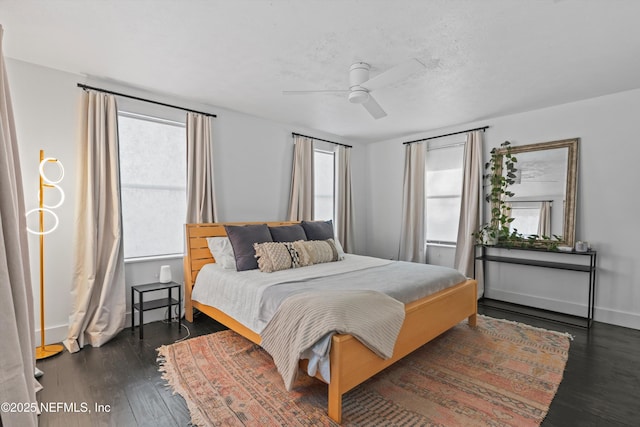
[[201, 206], [344, 202], [470, 205], [98, 288], [301, 198], [544, 222], [412, 233], [17, 330]]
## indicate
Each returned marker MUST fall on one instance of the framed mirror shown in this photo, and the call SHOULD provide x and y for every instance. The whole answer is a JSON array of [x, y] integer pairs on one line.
[[544, 200]]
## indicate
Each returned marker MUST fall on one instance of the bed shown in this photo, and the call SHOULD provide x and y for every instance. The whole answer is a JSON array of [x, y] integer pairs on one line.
[[351, 362]]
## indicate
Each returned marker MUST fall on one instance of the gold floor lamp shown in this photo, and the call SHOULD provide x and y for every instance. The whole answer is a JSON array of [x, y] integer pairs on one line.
[[43, 350]]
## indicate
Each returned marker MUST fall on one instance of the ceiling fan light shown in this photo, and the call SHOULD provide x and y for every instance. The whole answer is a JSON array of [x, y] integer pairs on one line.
[[358, 96]]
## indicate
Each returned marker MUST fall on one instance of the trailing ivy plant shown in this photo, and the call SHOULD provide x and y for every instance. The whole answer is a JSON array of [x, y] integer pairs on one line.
[[531, 241], [498, 178]]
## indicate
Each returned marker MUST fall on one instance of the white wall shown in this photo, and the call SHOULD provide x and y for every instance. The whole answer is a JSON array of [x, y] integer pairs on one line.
[[607, 205], [252, 163], [45, 105]]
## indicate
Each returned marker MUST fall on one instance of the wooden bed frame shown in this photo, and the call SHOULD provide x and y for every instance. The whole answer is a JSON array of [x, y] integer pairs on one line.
[[351, 362]]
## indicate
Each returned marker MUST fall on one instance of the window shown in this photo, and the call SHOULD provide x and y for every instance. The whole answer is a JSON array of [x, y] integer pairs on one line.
[[443, 188], [153, 182], [323, 169], [526, 217]]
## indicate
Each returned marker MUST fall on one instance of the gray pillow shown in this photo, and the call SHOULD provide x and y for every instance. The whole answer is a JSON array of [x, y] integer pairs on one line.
[[242, 238], [318, 230], [288, 233]]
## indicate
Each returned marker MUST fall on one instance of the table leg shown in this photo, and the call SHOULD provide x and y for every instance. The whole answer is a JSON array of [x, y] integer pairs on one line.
[[169, 306], [140, 316], [132, 310]]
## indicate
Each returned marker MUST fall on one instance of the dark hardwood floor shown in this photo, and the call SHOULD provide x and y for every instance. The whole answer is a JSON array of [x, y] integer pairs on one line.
[[600, 386], [122, 374]]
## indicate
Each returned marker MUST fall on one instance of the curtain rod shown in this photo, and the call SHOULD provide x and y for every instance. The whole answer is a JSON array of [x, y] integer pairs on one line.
[[323, 140], [85, 87], [448, 134]]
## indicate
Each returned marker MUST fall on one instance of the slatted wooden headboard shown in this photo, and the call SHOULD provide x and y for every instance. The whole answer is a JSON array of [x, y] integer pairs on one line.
[[197, 252]]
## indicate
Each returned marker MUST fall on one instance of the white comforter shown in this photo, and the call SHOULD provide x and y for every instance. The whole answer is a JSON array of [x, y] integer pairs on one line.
[[252, 297]]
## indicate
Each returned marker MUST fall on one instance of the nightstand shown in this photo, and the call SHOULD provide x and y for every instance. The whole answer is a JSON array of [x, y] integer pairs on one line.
[[143, 305]]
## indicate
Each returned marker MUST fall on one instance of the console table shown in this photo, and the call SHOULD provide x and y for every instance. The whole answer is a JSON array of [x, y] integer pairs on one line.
[[590, 269]]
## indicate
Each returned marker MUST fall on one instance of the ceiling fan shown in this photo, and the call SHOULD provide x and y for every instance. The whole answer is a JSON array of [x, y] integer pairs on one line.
[[361, 86]]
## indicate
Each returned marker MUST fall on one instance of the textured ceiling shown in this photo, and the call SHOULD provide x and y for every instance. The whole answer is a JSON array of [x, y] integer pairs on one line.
[[483, 58]]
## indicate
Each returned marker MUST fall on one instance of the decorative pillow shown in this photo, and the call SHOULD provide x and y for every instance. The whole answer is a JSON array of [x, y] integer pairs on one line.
[[222, 252], [242, 238], [321, 251], [318, 230], [275, 256], [287, 233], [339, 249]]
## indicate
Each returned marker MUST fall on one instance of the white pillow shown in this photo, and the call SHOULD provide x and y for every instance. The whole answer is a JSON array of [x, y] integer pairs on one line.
[[222, 251], [339, 249]]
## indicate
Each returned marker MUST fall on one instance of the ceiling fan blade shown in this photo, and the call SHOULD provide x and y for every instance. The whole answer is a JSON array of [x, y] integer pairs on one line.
[[394, 74], [374, 108], [307, 92]]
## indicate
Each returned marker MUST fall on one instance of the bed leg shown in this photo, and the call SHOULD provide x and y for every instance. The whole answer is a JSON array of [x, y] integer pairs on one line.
[[188, 287], [473, 320], [335, 403]]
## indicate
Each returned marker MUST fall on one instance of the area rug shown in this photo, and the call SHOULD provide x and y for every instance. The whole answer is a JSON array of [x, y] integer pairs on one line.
[[500, 373]]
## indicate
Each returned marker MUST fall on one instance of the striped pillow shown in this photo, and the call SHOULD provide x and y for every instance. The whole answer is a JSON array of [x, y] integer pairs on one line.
[[321, 251]]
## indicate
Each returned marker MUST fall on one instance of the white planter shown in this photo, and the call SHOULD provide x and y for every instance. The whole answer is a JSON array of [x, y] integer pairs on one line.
[[488, 240]]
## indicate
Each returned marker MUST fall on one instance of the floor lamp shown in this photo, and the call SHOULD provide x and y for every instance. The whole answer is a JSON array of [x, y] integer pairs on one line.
[[43, 350]]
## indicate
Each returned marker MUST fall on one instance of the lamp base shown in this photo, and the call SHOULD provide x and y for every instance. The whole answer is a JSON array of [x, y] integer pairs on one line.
[[45, 351]]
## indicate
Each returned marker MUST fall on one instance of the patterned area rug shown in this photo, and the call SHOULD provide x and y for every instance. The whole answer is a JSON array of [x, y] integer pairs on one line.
[[497, 374]]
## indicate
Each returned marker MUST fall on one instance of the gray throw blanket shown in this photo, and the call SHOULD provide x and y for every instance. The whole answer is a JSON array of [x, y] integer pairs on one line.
[[302, 319]]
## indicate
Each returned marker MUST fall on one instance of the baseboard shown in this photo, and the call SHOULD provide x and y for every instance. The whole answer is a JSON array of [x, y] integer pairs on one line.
[[617, 317], [601, 314], [572, 308], [57, 334], [53, 334]]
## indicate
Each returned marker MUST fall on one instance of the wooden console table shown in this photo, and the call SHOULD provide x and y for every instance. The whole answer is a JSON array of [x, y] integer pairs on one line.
[[591, 269]]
